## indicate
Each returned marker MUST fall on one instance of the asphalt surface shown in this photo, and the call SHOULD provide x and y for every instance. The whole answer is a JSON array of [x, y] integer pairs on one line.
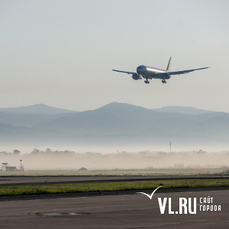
[[114, 211], [81, 179]]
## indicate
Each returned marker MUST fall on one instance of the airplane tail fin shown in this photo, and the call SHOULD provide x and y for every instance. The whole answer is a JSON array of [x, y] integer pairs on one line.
[[168, 67]]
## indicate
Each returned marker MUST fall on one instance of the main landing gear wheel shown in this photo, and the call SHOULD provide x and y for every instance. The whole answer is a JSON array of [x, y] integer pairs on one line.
[[146, 81], [163, 81]]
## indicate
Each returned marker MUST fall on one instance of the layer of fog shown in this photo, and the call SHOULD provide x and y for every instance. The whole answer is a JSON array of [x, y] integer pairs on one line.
[[52, 159]]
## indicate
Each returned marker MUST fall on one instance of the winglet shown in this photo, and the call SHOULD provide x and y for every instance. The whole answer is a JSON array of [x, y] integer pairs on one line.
[[168, 67]]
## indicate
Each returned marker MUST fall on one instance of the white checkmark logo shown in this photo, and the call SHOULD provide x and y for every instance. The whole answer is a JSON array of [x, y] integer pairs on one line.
[[150, 196]]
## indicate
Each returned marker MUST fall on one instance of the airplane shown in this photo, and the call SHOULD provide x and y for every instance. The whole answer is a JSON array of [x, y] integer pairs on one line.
[[155, 73]]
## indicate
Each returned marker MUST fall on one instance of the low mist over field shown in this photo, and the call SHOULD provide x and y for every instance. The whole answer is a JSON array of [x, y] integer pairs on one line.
[[53, 159]]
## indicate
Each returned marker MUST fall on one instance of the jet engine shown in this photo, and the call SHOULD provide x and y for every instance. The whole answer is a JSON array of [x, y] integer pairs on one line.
[[135, 76]]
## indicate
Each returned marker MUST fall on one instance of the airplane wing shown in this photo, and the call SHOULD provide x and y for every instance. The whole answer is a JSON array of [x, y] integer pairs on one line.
[[185, 71], [124, 71]]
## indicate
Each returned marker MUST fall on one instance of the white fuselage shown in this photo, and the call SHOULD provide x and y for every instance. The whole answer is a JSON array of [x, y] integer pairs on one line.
[[150, 72]]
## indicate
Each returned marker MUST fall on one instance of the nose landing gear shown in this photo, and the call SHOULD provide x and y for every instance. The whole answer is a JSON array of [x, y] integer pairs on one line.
[[146, 81], [163, 81]]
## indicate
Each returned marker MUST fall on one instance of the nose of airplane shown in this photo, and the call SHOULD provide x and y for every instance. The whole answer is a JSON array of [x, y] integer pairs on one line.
[[141, 69]]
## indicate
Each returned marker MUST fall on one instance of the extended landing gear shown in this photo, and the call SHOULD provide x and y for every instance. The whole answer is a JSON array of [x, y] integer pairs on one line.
[[163, 81], [146, 81]]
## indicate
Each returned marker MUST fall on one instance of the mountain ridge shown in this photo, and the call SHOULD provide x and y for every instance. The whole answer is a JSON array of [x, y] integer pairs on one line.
[[116, 123], [35, 109], [182, 110], [46, 109]]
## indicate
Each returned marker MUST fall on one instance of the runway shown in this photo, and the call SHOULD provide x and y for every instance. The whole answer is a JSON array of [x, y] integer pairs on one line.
[[113, 211], [23, 180]]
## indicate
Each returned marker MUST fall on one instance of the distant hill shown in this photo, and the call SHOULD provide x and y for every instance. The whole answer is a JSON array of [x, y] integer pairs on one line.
[[114, 123], [182, 110], [29, 116], [35, 109], [114, 118], [119, 119]]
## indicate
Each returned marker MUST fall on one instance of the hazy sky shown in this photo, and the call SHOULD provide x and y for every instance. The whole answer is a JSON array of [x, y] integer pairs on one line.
[[61, 52]]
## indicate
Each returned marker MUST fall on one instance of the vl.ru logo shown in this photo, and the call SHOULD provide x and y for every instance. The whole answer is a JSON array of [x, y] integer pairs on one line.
[[185, 205], [150, 196]]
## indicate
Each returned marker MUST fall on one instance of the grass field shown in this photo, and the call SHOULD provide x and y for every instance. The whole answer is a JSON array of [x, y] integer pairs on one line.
[[109, 186]]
